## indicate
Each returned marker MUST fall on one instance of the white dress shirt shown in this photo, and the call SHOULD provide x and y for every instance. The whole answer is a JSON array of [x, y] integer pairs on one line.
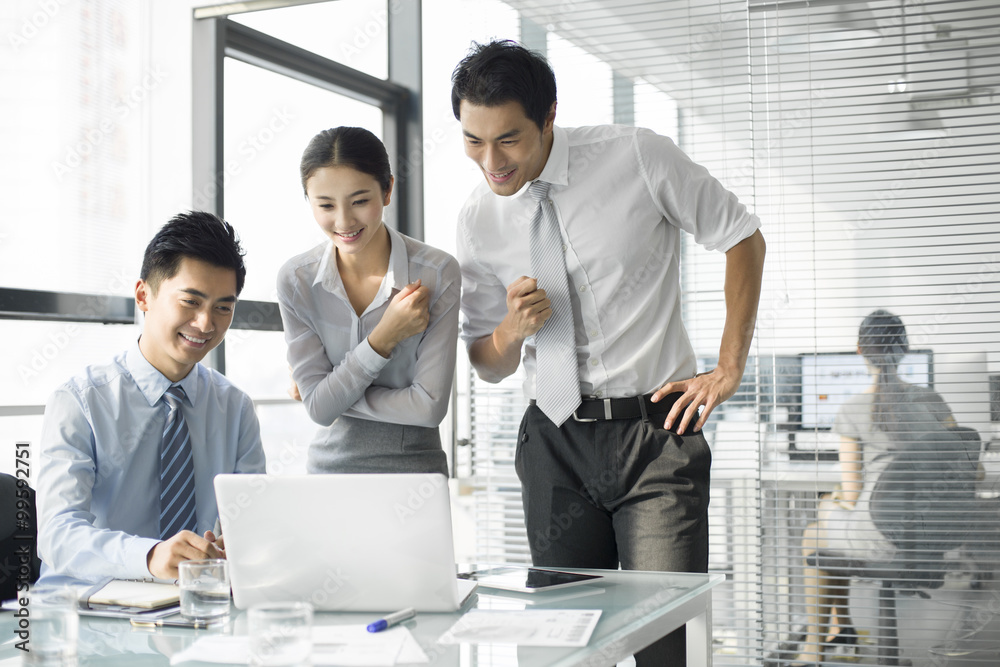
[[622, 195], [334, 366], [99, 475]]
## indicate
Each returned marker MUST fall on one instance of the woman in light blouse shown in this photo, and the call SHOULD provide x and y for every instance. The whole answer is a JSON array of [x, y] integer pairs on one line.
[[873, 426], [370, 318]]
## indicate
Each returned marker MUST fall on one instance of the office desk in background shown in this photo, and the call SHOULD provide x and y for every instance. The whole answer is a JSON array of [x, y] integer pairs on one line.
[[637, 608]]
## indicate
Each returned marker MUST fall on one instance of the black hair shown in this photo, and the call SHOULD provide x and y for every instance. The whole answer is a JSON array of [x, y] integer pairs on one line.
[[882, 341], [502, 71], [353, 147], [198, 235]]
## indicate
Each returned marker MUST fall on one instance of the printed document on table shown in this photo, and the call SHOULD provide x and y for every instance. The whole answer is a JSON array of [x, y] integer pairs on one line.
[[332, 645], [531, 627]]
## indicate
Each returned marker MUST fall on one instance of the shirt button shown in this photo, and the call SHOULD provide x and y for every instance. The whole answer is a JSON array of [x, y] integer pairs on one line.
[[594, 362], [599, 394], [583, 288], [564, 247], [594, 333]]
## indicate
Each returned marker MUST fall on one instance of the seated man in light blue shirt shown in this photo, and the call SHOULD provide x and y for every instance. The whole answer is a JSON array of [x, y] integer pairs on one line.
[[106, 509]]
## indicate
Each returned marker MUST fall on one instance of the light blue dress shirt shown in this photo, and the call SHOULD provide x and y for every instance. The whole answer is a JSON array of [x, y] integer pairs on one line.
[[98, 489]]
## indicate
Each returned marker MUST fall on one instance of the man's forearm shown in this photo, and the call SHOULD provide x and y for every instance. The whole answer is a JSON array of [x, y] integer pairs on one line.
[[496, 356], [744, 271]]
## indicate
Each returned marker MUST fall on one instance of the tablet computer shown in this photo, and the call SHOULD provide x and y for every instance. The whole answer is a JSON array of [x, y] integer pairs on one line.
[[527, 579]]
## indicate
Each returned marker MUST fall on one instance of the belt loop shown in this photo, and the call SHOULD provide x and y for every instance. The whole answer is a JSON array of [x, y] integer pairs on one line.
[[642, 408]]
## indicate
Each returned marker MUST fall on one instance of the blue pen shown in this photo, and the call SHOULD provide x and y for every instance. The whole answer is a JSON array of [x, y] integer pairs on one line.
[[391, 620]]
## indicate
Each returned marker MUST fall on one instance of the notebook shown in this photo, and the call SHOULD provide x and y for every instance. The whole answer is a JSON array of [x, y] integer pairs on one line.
[[341, 542], [137, 594]]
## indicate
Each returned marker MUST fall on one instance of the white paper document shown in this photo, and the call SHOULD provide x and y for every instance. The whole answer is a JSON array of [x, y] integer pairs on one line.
[[347, 645], [531, 627]]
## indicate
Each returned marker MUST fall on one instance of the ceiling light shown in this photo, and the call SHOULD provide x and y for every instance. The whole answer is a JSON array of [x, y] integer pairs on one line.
[[920, 124], [851, 25]]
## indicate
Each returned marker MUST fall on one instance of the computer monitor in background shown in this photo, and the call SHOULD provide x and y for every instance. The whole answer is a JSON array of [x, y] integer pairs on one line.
[[830, 378]]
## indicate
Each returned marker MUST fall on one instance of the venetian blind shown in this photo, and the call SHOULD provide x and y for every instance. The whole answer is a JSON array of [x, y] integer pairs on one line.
[[875, 134], [864, 136]]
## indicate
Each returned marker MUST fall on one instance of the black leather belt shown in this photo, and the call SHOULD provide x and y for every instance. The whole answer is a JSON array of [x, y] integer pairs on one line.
[[603, 409]]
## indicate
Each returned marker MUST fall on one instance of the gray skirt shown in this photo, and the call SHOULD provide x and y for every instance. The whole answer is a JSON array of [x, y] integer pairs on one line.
[[352, 445]]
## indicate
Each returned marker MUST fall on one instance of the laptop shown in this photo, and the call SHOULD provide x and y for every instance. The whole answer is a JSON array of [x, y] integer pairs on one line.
[[341, 542]]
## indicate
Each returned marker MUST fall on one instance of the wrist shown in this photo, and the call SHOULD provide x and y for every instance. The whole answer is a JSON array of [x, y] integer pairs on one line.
[[382, 345], [505, 340], [149, 559]]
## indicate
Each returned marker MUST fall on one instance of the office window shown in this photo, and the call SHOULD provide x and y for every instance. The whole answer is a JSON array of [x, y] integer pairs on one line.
[[277, 95], [871, 174], [78, 85], [75, 99], [350, 32], [867, 153], [269, 119]]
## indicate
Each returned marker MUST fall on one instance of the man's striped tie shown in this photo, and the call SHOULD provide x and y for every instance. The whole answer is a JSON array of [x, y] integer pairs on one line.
[[557, 378], [177, 494]]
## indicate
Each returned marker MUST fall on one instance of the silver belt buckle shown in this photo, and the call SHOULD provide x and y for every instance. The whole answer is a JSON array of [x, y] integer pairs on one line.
[[607, 412]]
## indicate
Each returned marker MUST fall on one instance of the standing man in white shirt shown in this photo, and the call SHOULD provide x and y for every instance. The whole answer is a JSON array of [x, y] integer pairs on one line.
[[613, 465], [130, 447]]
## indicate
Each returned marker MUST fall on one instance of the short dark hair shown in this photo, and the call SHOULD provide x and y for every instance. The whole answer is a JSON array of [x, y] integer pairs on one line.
[[198, 235], [502, 71], [353, 147]]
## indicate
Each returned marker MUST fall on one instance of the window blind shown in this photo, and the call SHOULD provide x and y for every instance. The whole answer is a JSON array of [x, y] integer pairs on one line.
[[864, 135], [877, 129]]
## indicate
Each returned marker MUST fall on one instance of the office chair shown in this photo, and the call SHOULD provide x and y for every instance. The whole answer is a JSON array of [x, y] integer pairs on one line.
[[924, 503], [18, 527]]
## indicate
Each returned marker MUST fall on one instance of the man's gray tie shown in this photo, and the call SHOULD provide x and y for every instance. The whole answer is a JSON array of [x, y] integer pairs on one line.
[[177, 494], [557, 379]]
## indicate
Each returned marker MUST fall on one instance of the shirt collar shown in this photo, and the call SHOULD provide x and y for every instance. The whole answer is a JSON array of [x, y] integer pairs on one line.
[[556, 169], [326, 271], [397, 277], [151, 382]]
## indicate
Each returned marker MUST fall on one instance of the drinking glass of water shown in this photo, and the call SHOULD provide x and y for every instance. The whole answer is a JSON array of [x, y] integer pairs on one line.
[[54, 626], [280, 634], [205, 589]]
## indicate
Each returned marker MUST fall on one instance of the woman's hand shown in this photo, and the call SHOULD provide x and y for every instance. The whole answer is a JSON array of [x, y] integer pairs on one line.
[[293, 388], [407, 315]]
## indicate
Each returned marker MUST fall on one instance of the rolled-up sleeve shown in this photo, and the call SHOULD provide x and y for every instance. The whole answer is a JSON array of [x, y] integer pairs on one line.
[[484, 298], [689, 196]]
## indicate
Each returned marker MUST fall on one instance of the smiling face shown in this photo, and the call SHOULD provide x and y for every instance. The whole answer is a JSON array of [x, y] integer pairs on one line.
[[187, 315], [508, 147], [347, 205]]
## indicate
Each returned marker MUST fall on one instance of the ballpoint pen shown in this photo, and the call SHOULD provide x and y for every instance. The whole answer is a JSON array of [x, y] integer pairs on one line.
[[392, 619]]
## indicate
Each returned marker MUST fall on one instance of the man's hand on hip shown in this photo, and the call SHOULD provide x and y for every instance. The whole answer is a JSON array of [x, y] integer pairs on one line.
[[709, 389]]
